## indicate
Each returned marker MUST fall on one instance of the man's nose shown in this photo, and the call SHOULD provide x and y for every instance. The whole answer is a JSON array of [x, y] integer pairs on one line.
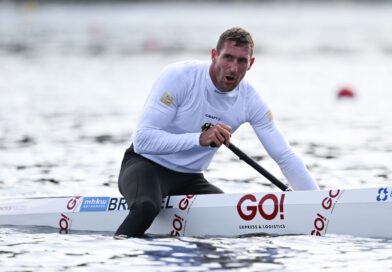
[[233, 68]]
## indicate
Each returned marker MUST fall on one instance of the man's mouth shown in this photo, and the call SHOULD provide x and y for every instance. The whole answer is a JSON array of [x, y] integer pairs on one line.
[[229, 78]]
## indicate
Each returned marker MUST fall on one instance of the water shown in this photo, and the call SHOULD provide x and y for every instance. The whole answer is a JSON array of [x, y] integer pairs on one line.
[[73, 79]]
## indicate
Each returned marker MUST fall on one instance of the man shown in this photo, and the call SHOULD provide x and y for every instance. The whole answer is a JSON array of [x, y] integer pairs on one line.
[[172, 143]]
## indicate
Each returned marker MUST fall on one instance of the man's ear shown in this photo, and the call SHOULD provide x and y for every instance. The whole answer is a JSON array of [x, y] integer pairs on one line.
[[252, 60], [213, 54]]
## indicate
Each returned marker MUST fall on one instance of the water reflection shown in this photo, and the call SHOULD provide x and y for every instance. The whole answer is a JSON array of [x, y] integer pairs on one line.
[[253, 253]]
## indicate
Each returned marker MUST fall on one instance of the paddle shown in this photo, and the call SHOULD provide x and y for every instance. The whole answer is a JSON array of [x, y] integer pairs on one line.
[[242, 156], [258, 168]]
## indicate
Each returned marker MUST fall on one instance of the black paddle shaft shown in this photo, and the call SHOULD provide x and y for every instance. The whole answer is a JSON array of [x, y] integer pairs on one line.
[[258, 168]]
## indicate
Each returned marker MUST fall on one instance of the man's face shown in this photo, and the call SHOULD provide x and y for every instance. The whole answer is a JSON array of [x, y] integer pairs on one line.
[[230, 66]]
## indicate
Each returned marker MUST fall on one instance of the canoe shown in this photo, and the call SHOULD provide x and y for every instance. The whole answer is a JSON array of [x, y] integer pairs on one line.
[[357, 212]]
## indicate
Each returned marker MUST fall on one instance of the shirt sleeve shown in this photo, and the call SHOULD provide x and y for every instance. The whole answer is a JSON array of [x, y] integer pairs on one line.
[[158, 112], [277, 147]]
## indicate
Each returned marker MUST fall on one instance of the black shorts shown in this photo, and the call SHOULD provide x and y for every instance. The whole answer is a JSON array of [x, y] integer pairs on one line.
[[140, 178], [144, 184]]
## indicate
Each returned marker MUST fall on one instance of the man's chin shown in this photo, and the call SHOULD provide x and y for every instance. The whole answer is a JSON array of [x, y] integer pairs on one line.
[[226, 86], [229, 87]]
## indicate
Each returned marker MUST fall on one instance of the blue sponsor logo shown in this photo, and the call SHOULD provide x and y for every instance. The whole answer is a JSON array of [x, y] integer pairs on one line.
[[382, 194], [94, 204]]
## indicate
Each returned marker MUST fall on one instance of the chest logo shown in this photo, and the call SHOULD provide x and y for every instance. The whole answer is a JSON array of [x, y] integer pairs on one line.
[[213, 117]]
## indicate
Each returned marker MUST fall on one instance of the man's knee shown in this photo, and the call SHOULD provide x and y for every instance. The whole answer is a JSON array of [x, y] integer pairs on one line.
[[147, 208]]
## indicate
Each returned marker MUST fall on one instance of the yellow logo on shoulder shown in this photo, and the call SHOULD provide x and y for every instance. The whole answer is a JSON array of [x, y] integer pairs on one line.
[[166, 99]]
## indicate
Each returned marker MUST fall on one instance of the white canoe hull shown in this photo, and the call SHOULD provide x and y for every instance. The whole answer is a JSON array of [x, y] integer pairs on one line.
[[357, 212]]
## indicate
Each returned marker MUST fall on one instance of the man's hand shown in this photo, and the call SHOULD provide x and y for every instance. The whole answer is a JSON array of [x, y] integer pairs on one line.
[[216, 136]]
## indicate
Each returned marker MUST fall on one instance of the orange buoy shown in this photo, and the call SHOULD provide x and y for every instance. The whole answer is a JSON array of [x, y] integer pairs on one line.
[[345, 93]]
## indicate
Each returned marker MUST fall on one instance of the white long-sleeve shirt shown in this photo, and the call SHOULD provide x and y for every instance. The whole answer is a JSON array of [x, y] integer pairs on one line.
[[183, 99]]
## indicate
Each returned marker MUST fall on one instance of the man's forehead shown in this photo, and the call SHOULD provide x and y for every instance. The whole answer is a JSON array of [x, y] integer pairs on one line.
[[233, 46], [236, 44]]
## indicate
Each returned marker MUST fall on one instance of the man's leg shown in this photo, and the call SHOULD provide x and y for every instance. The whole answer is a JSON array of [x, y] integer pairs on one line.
[[196, 184], [139, 183]]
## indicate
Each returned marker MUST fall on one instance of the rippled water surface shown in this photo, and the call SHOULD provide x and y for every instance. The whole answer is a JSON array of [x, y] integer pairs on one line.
[[73, 79]]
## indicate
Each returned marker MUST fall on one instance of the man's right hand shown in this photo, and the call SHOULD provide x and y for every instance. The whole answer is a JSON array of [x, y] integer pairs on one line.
[[216, 136]]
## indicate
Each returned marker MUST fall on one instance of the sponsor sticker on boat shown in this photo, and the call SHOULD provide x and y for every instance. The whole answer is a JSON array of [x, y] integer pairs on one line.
[[94, 204], [321, 220], [270, 207], [383, 194], [73, 203], [180, 218]]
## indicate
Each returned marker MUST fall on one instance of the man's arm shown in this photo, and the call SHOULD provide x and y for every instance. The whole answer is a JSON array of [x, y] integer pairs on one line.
[[151, 138], [289, 162], [291, 165], [159, 111]]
